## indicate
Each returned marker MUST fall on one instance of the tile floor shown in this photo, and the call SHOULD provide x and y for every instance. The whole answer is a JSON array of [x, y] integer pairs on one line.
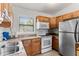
[[50, 53]]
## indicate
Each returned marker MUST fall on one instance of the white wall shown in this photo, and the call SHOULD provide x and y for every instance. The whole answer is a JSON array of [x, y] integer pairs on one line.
[[70, 8], [20, 11]]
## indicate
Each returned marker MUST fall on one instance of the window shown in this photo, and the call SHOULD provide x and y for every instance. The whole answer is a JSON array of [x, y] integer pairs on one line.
[[26, 24]]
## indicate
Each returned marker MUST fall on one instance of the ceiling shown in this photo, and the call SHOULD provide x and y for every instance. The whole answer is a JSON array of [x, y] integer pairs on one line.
[[49, 8]]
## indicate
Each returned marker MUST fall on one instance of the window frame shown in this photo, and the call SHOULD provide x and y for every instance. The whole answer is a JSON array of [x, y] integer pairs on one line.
[[34, 24]]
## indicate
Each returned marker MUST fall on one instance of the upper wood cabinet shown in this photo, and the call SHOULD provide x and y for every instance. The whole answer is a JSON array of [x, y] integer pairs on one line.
[[10, 11], [52, 22], [75, 14], [42, 18], [8, 7], [59, 19], [67, 16], [5, 24]]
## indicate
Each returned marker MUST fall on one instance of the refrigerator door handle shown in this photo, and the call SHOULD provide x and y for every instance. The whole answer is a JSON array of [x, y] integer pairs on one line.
[[75, 32]]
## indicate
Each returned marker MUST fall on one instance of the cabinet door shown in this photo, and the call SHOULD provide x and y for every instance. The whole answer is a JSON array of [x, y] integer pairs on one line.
[[59, 19], [76, 14], [3, 6], [77, 49], [27, 46], [55, 44], [5, 24], [10, 11], [52, 22], [36, 46], [67, 16], [6, 6], [42, 19]]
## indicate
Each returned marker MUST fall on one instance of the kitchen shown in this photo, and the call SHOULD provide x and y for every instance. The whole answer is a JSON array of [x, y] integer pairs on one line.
[[35, 29]]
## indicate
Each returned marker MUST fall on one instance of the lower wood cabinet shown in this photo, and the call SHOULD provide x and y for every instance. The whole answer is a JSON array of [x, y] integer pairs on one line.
[[55, 44], [77, 49], [27, 45], [36, 46], [32, 46]]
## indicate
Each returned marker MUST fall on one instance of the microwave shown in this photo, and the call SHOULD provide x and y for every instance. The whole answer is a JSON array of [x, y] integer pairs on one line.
[[42, 25]]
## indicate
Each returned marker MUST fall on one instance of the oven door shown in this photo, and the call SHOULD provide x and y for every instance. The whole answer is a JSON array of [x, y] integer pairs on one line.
[[46, 42]]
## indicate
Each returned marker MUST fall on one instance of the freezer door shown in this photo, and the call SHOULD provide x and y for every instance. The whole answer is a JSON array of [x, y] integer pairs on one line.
[[67, 26], [67, 44]]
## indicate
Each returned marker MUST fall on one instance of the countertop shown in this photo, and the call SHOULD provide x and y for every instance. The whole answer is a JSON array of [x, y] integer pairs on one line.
[[21, 38]]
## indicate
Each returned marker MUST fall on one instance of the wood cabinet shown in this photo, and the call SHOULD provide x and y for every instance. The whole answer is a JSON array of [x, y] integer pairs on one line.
[[42, 18], [55, 43], [77, 49], [59, 19], [36, 46], [27, 45], [67, 16], [52, 22], [75, 14], [10, 11], [8, 7], [5, 24], [32, 46]]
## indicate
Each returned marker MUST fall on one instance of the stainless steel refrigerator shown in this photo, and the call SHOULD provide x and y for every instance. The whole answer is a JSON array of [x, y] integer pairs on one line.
[[68, 36]]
